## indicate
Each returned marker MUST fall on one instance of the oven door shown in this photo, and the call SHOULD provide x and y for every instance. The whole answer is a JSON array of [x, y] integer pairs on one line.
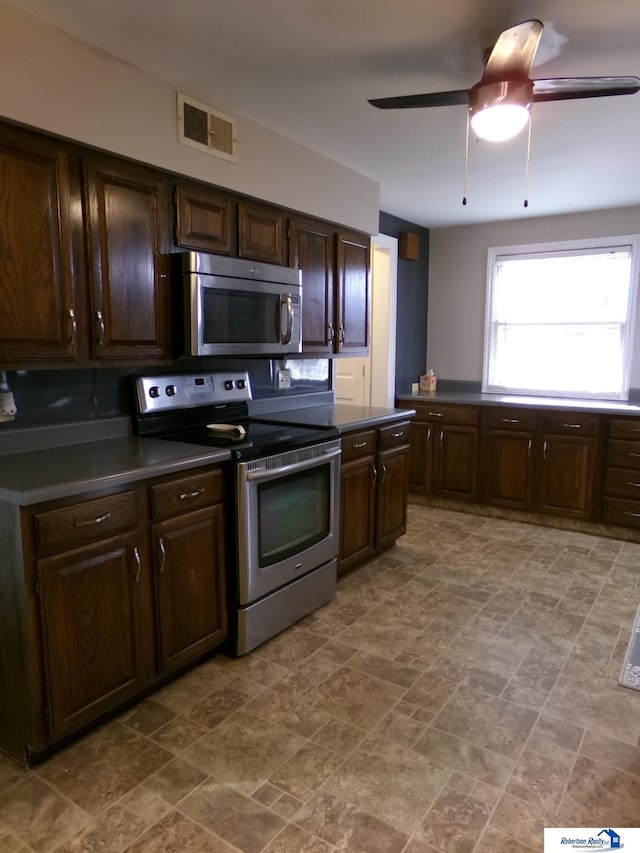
[[288, 510]]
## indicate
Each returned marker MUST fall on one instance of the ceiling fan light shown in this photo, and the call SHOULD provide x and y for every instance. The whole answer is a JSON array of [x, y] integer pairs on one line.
[[499, 122]]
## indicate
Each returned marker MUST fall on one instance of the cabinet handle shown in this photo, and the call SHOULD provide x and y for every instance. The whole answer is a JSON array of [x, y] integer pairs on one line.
[[163, 554], [384, 473], [100, 320], [136, 554], [332, 333], [397, 434], [436, 414], [632, 514], [529, 448], [74, 326], [572, 426], [429, 436], [441, 438], [634, 454], [544, 449], [629, 483], [193, 494], [510, 421], [635, 429], [375, 475], [89, 521], [359, 446]]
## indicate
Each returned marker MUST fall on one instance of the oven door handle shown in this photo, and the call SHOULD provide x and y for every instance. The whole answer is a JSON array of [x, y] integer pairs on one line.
[[285, 336], [272, 473]]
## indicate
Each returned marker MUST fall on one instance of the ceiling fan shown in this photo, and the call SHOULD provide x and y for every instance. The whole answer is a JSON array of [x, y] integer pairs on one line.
[[500, 102]]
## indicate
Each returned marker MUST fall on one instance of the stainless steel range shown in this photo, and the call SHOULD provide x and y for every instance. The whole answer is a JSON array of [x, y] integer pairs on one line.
[[287, 492]]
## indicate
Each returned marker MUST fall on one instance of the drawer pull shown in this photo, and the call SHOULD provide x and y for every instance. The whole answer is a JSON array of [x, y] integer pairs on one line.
[[571, 426], [397, 434], [163, 554], [193, 494], [635, 429], [632, 514], [634, 454], [359, 446], [629, 483], [436, 414], [89, 521], [136, 554], [510, 421]]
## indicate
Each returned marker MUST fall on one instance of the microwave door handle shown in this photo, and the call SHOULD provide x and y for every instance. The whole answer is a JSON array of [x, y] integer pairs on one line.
[[285, 300]]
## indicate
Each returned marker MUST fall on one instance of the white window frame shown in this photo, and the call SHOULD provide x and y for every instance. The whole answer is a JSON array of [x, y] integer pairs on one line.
[[542, 249]]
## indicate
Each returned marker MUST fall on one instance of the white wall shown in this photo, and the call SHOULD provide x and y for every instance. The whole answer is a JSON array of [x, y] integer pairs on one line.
[[52, 82], [458, 273]]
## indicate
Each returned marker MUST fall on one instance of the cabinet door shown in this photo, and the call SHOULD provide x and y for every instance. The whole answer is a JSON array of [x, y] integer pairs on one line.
[[190, 569], [37, 309], [353, 294], [507, 464], [92, 630], [568, 476], [420, 457], [455, 462], [127, 238], [311, 250], [204, 219], [393, 478], [262, 230], [357, 511]]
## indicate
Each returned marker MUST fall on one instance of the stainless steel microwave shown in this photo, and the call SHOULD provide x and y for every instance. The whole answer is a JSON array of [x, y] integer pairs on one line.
[[238, 307]]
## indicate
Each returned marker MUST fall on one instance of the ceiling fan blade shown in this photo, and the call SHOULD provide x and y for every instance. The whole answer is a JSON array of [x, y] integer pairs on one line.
[[568, 88], [514, 52], [431, 99]]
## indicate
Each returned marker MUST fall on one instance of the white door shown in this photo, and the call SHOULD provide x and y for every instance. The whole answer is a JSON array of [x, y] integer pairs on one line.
[[371, 381]]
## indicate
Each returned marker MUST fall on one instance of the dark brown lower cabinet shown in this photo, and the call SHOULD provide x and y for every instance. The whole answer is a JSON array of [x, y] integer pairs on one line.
[[104, 595], [507, 470], [191, 589], [567, 476], [92, 630], [374, 486]]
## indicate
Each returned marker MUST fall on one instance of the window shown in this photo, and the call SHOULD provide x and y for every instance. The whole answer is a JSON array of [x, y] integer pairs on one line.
[[560, 319]]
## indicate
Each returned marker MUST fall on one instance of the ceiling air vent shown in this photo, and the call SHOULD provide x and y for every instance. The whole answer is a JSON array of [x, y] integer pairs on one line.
[[203, 128]]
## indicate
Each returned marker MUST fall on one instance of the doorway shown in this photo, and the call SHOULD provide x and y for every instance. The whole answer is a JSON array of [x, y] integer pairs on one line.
[[370, 381]]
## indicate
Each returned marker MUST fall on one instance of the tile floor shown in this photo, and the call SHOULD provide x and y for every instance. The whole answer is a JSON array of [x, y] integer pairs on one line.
[[459, 694]]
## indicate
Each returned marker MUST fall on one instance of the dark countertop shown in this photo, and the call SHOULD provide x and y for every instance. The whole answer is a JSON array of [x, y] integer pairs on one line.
[[605, 407], [346, 418], [63, 470]]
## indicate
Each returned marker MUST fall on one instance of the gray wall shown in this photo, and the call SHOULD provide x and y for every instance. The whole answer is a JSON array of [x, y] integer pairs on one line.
[[411, 324], [458, 275]]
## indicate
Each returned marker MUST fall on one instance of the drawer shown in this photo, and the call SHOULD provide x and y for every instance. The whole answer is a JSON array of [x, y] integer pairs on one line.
[[570, 423], [628, 428], [623, 454], [441, 413], [617, 511], [620, 483], [74, 525], [357, 444], [393, 436], [516, 419], [175, 497]]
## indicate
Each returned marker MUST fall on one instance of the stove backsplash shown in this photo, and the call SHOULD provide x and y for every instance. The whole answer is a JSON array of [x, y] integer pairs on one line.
[[46, 397]]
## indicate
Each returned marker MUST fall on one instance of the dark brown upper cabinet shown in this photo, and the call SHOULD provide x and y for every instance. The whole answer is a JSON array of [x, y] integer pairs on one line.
[[312, 250], [127, 244], [262, 233], [353, 294], [38, 314], [205, 219]]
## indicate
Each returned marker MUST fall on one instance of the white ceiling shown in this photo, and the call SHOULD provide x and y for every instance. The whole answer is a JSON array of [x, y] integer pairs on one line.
[[305, 69]]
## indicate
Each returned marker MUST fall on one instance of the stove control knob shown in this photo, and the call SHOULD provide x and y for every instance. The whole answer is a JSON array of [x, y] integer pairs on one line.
[[171, 390], [241, 384], [154, 392], [228, 384]]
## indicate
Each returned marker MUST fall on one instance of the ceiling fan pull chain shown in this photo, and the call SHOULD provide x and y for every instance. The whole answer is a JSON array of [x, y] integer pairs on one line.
[[466, 161], [526, 185]]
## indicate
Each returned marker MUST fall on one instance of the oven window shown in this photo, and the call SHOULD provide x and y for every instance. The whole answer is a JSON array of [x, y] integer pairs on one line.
[[293, 514], [240, 317]]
